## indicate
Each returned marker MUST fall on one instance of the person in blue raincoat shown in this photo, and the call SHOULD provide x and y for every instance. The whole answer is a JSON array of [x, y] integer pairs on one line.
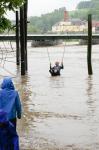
[[10, 100], [9, 139]]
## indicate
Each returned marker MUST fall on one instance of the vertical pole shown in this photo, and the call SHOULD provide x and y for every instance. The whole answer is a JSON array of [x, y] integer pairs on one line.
[[25, 28], [22, 40], [89, 44], [17, 39]]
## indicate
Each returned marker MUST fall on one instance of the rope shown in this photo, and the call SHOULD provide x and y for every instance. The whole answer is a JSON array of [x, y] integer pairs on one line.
[[48, 56], [62, 55], [11, 43], [1, 54], [4, 56], [12, 75], [8, 61], [64, 51]]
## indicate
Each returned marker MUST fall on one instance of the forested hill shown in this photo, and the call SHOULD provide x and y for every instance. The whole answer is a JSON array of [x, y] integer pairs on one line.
[[45, 22], [92, 4], [86, 7]]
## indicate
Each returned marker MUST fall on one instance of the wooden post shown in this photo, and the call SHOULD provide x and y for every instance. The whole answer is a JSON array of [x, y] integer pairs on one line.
[[22, 40], [17, 39], [89, 44], [25, 28]]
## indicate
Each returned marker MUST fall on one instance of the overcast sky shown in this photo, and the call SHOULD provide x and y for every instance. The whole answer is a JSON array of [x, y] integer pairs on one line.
[[38, 7]]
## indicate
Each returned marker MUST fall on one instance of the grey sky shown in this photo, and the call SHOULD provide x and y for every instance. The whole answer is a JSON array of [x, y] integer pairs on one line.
[[38, 7], [43, 6]]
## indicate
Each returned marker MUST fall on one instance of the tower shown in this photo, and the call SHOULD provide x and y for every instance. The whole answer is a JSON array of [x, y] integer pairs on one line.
[[65, 15]]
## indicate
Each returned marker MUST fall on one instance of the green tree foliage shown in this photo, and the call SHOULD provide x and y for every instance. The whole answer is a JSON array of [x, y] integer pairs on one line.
[[7, 5], [44, 23], [88, 4], [4, 23], [86, 7], [81, 14]]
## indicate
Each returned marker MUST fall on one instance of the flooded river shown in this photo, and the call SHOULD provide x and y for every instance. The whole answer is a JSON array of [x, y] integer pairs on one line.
[[59, 113]]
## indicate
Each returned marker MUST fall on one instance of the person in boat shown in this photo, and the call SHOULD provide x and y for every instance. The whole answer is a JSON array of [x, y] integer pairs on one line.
[[9, 139], [10, 101], [55, 70]]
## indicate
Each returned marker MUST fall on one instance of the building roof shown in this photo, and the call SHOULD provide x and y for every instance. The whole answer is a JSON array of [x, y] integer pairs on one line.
[[71, 22]]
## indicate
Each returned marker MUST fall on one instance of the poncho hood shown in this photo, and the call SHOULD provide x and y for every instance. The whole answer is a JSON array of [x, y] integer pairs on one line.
[[7, 83]]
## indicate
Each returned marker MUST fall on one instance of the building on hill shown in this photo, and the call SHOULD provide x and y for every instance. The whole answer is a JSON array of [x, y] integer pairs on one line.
[[70, 26], [95, 25], [75, 25]]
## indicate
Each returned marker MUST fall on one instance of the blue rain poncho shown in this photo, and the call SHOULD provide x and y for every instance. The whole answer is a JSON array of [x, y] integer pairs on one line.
[[9, 99], [8, 136]]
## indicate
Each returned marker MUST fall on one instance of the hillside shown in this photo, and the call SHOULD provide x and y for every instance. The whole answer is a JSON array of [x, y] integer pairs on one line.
[[87, 7], [45, 22]]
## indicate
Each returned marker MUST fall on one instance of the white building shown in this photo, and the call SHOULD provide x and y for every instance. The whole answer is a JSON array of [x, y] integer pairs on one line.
[[71, 26]]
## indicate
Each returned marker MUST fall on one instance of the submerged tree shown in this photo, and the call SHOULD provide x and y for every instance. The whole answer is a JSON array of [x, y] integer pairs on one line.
[[8, 5]]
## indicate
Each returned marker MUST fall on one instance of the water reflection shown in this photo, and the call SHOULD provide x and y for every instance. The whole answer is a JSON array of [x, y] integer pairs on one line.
[[57, 82], [59, 113], [92, 111], [91, 97], [25, 93]]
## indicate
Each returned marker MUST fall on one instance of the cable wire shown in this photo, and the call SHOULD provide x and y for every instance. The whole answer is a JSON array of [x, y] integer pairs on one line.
[[48, 56], [64, 51]]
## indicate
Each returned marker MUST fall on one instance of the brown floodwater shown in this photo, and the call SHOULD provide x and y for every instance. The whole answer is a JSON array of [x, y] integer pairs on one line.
[[59, 113]]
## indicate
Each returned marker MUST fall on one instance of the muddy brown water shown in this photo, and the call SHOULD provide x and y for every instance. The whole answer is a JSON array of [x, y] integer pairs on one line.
[[59, 113]]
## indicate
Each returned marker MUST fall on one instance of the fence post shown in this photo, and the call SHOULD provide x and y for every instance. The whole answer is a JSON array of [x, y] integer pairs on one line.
[[25, 28], [17, 39], [22, 40], [89, 50]]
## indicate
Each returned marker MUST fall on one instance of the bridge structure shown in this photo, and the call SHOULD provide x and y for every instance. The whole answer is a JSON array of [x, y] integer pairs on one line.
[[31, 37], [40, 37], [21, 38]]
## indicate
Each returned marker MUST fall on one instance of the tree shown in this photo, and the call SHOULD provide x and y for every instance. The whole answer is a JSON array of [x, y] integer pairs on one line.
[[88, 7], [8, 5], [45, 22], [84, 5]]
